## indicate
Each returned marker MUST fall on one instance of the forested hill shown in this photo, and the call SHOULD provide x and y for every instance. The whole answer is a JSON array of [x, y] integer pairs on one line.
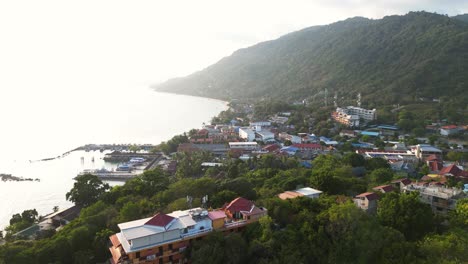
[[463, 17], [397, 59]]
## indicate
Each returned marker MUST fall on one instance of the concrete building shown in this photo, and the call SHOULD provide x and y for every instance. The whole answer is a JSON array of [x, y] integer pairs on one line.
[[367, 201], [265, 136], [164, 237], [351, 115], [450, 130], [260, 123], [246, 134], [423, 151], [243, 145], [440, 199]]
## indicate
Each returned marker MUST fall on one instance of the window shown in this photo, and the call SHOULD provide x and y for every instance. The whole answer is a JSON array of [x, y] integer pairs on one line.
[[170, 246], [138, 254]]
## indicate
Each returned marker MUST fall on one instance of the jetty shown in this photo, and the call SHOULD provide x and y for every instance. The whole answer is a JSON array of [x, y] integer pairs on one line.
[[111, 175]]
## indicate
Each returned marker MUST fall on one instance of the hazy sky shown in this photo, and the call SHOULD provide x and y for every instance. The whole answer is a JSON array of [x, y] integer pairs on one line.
[[149, 41]]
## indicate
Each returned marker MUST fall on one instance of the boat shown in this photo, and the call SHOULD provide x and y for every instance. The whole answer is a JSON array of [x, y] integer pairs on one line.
[[137, 160], [124, 167]]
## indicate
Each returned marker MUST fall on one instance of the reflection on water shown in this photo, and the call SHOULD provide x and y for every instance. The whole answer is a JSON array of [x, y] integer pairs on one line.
[[142, 116]]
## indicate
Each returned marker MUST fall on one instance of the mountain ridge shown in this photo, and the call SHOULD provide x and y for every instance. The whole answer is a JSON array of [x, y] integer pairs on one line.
[[405, 57]]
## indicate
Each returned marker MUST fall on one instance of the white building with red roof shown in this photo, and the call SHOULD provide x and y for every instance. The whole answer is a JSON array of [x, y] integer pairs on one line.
[[163, 237], [367, 201]]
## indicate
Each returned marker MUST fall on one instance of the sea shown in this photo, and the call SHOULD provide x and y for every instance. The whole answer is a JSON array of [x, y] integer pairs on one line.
[[36, 125]]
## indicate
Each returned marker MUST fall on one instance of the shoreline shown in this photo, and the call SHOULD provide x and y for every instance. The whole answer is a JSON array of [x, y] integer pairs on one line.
[[62, 176], [189, 95]]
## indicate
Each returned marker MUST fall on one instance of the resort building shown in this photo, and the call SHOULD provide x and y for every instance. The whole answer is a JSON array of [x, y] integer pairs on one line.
[[163, 237], [351, 115]]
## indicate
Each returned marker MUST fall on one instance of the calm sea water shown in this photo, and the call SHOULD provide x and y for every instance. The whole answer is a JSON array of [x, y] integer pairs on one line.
[[42, 126]]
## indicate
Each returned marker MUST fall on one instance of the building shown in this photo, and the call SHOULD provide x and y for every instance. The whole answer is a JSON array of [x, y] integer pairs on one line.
[[367, 201], [265, 136], [306, 192], [351, 115], [260, 123], [454, 171], [246, 133], [400, 184], [384, 188], [450, 130], [440, 199], [423, 151], [346, 119], [308, 147], [164, 237], [243, 145]]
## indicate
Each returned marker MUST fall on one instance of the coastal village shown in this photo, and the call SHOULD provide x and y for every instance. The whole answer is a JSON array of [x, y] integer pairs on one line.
[[162, 238], [443, 183]]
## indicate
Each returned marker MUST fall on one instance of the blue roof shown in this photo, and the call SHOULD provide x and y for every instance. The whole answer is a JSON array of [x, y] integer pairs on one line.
[[325, 139], [361, 145], [370, 133], [294, 149], [388, 127]]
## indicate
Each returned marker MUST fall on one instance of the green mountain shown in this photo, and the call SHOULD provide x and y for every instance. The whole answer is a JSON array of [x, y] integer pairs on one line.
[[397, 59], [463, 17]]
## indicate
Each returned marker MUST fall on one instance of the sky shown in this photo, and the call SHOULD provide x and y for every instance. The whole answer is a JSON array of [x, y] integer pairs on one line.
[[57, 42]]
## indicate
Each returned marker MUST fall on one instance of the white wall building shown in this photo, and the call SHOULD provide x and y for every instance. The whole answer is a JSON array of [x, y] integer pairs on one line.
[[351, 115], [246, 134]]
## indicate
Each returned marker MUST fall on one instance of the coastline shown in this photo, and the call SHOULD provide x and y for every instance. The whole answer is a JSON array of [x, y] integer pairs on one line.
[[189, 95], [56, 174]]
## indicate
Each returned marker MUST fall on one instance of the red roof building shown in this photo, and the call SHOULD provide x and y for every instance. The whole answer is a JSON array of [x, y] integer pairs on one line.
[[434, 163], [401, 183], [369, 196], [160, 219], [239, 204], [367, 201], [308, 146], [453, 170], [384, 188], [271, 148]]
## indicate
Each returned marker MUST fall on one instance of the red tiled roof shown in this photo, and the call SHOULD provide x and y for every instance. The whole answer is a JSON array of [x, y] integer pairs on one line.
[[271, 147], [115, 240], [450, 127], [432, 157], [160, 220], [116, 254], [369, 195], [310, 146], [454, 170], [384, 188], [239, 204], [218, 214], [405, 181]]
